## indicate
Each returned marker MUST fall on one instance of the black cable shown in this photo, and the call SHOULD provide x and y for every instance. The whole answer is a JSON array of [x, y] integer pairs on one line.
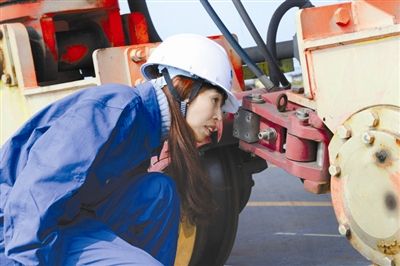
[[253, 67], [260, 43], [284, 50], [274, 24]]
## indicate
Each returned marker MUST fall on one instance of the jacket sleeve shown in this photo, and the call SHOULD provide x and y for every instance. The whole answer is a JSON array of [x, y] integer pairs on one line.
[[56, 168]]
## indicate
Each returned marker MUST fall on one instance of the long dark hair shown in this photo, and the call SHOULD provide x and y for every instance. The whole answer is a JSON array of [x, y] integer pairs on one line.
[[185, 166]]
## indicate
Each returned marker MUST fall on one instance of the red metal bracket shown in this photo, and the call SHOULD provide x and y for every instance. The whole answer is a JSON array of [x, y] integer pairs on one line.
[[301, 143]]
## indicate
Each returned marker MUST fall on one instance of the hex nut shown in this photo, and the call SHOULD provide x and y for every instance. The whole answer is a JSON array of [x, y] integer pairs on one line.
[[368, 138], [136, 55], [256, 98], [344, 230], [334, 170], [342, 16], [344, 132], [248, 117], [302, 114], [267, 134], [6, 78], [298, 89], [372, 119]]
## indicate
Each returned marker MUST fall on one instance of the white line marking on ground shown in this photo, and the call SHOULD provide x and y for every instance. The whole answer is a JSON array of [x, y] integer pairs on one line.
[[289, 204], [285, 234], [296, 234], [323, 235]]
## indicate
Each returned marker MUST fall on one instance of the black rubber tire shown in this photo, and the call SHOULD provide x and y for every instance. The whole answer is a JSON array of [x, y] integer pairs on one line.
[[214, 241]]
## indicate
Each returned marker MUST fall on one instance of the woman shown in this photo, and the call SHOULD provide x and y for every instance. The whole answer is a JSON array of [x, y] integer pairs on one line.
[[74, 186]]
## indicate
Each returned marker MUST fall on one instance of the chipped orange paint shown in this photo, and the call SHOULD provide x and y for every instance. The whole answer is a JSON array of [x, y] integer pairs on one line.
[[320, 22], [331, 20], [337, 199], [342, 16]]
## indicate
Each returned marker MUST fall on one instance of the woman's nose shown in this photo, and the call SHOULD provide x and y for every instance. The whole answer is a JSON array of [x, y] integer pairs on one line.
[[218, 114]]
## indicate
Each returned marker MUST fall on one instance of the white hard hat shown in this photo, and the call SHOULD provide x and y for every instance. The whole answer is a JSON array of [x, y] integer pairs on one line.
[[194, 56]]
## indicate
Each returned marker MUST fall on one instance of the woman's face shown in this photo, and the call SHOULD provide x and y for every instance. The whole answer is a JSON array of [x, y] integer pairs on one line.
[[204, 112]]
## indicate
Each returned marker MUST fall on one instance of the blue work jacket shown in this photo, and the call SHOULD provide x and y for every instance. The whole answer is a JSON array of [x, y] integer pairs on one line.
[[73, 153]]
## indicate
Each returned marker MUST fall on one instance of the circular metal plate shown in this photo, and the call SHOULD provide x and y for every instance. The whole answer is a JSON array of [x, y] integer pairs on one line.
[[366, 185]]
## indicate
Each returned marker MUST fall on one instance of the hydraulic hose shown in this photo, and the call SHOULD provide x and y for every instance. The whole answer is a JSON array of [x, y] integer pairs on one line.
[[274, 24], [260, 43], [235, 45], [284, 50]]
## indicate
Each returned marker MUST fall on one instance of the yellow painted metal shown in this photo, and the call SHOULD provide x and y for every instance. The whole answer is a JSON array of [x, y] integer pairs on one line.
[[286, 65], [365, 184], [13, 111], [186, 240], [17, 104]]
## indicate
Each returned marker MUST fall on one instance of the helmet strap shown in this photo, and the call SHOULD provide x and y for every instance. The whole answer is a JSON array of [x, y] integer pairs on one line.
[[196, 88], [171, 87], [183, 104]]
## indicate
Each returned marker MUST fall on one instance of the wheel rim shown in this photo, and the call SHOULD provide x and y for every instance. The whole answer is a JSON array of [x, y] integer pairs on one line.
[[365, 182]]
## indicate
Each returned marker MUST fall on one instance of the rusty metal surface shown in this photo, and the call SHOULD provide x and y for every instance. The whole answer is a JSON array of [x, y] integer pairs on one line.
[[365, 186]]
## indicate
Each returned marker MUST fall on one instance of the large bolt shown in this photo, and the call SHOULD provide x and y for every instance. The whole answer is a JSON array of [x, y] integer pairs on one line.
[[368, 138], [267, 134], [390, 201], [344, 230], [334, 170], [372, 119], [342, 16], [381, 155], [344, 132], [302, 114], [297, 89], [6, 78], [136, 55], [248, 117], [256, 98]]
